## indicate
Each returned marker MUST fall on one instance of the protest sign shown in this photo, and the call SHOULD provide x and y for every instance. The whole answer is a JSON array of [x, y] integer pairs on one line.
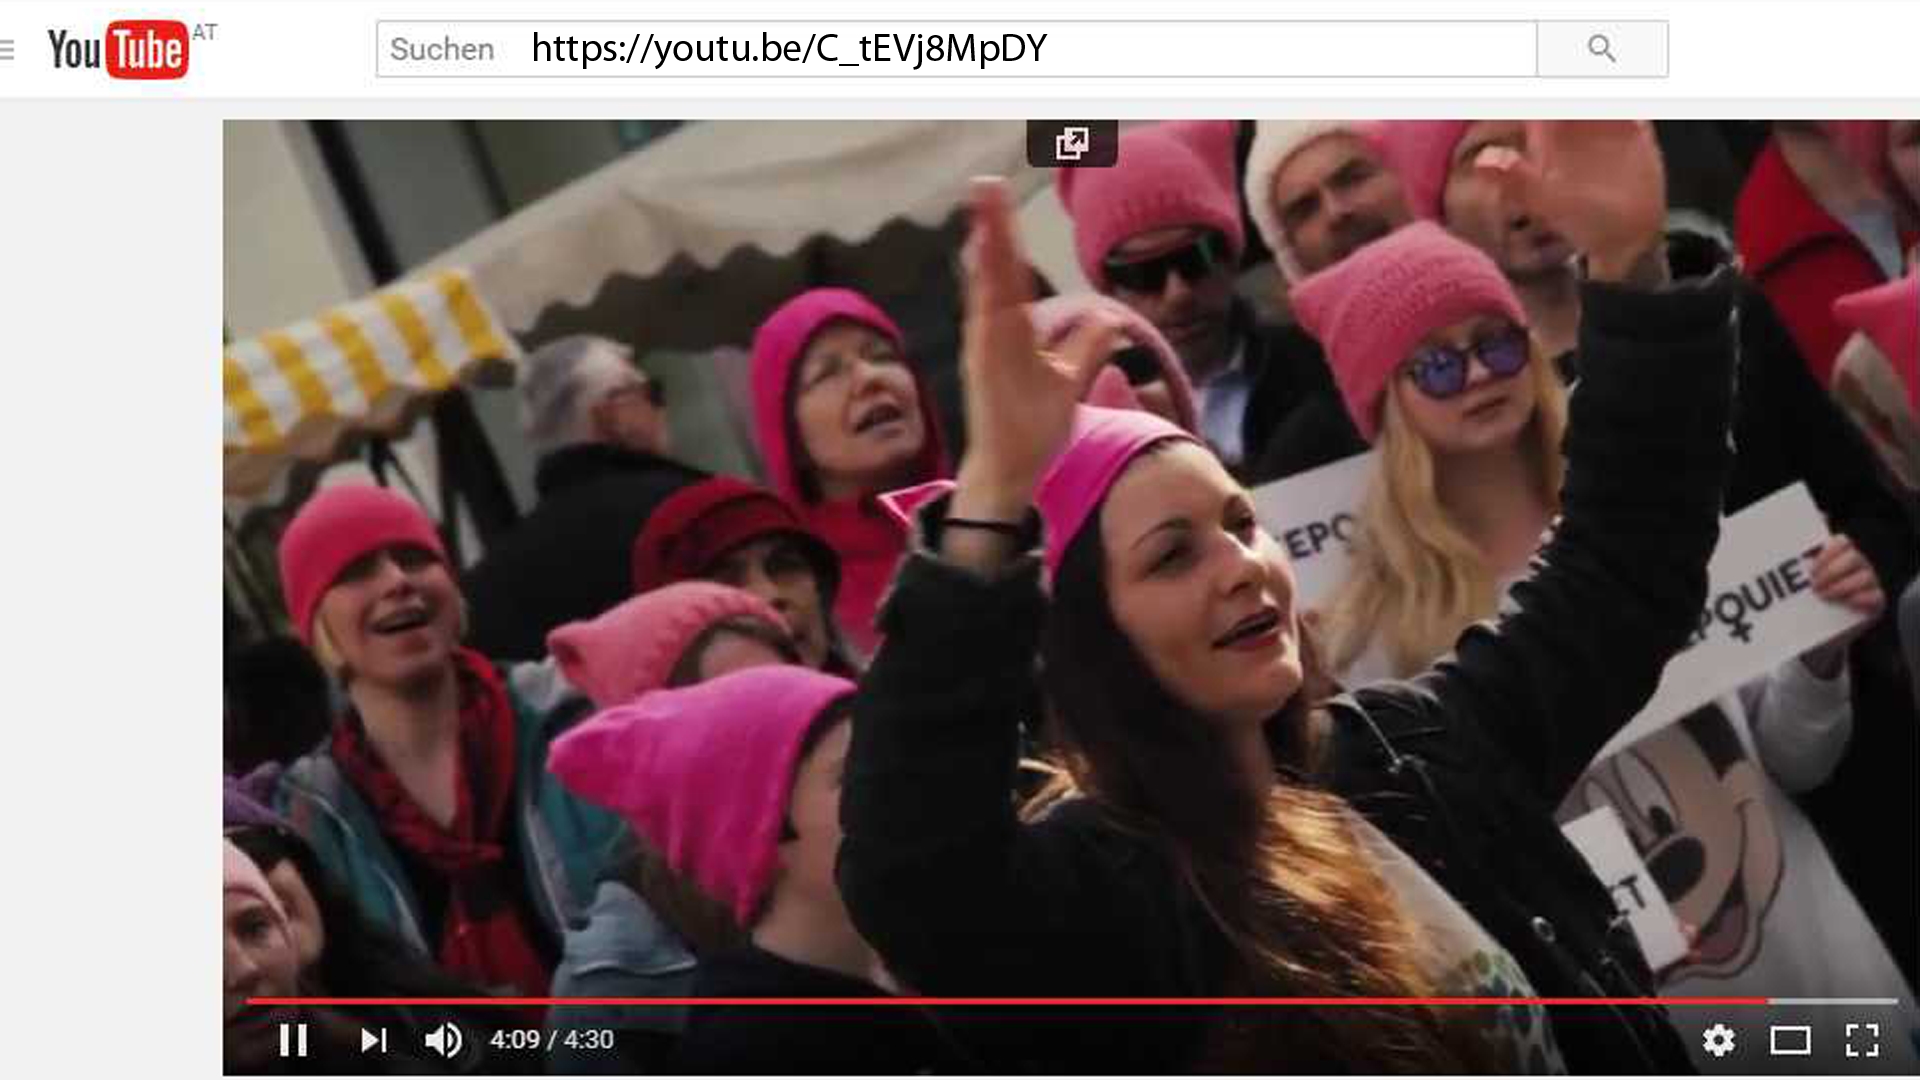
[[1761, 609], [1603, 842], [1313, 516]]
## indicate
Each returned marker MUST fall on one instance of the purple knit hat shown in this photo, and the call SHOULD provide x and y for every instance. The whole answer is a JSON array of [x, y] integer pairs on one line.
[[1372, 308], [244, 799], [705, 773], [1421, 151], [1169, 174]]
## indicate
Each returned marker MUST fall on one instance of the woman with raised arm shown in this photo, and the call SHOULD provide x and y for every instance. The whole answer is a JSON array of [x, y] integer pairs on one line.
[[1238, 831]]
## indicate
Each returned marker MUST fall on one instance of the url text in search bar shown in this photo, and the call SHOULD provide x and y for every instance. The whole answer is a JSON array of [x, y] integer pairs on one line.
[[1136, 49]]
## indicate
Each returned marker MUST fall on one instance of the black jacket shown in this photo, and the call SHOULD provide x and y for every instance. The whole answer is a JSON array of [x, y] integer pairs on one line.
[[747, 1040], [572, 558], [1295, 419], [1461, 767]]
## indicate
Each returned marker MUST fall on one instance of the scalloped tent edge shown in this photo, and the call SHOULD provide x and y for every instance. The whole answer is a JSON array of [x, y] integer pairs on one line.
[[713, 187]]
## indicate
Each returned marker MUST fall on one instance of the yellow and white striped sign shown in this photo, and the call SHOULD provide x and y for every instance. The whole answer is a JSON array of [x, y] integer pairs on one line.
[[296, 392]]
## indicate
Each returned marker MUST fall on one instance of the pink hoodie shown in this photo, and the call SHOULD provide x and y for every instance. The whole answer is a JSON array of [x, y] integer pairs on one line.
[[705, 773], [867, 539]]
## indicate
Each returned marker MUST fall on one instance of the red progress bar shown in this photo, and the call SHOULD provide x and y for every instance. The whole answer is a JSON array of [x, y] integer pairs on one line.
[[1009, 1001]]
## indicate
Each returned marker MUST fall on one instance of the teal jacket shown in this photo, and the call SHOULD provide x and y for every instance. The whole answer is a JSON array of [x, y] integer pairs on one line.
[[563, 842]]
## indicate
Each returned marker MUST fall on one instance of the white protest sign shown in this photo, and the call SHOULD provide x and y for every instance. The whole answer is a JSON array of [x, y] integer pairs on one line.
[[1313, 515], [1761, 611], [1603, 842]]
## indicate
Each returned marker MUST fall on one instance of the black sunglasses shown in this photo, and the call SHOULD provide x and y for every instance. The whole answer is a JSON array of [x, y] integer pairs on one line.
[[1440, 371], [1138, 363], [1192, 262]]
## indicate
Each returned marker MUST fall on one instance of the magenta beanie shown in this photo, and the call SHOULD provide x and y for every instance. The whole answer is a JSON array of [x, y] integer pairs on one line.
[[1056, 317], [335, 527], [1099, 446], [1889, 315], [1372, 308], [778, 346], [634, 646], [705, 773], [1421, 151], [1169, 174]]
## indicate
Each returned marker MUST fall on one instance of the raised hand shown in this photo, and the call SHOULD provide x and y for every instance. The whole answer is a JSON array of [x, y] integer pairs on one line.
[[1019, 399], [1599, 183]]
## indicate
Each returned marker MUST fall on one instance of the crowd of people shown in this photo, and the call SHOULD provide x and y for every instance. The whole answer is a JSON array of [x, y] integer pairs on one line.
[[1037, 710]]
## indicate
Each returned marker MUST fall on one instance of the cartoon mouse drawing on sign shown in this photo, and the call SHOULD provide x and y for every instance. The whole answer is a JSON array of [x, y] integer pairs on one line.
[[1691, 800]]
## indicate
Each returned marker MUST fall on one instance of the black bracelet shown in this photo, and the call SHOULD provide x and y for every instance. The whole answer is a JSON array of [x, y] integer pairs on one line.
[[1008, 529]]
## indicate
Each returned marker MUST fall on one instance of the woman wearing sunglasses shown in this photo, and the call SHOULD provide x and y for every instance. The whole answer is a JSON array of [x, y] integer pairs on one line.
[[1238, 831], [1467, 426]]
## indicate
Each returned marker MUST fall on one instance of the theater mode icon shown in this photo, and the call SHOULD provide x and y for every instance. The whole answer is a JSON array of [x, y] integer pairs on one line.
[[1790, 1040]]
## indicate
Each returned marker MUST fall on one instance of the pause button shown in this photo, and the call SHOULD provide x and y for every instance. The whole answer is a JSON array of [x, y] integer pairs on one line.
[[293, 1040]]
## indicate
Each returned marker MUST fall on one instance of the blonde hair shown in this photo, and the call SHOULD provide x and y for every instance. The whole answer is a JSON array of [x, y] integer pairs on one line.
[[1417, 579]]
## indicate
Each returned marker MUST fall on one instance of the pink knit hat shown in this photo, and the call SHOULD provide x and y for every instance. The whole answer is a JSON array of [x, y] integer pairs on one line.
[[1274, 144], [1372, 308], [1421, 151], [705, 773], [1175, 173], [1099, 448], [634, 646], [1056, 317], [335, 527], [1100, 445], [1889, 315], [778, 346]]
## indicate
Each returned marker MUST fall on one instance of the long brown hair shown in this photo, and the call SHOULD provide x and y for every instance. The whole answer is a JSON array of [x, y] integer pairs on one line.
[[1280, 873]]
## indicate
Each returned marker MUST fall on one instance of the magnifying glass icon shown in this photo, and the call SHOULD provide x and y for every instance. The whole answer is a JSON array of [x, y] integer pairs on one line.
[[1601, 45]]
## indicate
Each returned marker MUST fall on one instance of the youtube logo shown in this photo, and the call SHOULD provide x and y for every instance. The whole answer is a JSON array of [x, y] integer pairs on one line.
[[146, 49], [130, 49]]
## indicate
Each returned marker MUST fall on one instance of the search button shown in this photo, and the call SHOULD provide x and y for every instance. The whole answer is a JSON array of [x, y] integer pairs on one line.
[[1603, 50]]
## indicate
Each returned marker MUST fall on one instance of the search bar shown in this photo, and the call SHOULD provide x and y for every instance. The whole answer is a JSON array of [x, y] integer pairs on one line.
[[1603, 50], [1010, 48]]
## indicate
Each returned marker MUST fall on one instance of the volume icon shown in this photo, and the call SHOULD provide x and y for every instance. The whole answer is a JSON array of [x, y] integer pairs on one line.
[[446, 1040]]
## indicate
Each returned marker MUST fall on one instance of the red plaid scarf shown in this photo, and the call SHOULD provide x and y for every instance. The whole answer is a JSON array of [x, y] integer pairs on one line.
[[484, 937]]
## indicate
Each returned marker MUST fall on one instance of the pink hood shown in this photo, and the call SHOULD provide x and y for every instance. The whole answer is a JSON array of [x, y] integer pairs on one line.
[[867, 540]]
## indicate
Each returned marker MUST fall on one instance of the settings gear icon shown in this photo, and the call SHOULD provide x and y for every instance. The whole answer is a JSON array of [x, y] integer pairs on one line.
[[1717, 1040]]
